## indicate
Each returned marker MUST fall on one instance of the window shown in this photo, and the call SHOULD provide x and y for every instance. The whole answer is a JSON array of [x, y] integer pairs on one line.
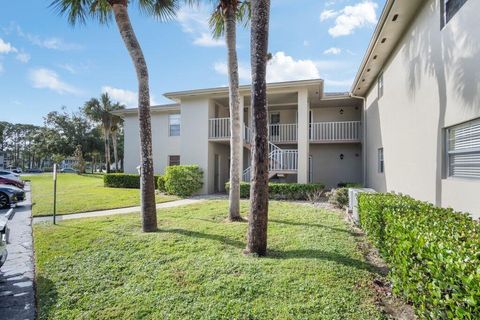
[[174, 125], [463, 150], [380, 85], [173, 160], [381, 163], [449, 9]]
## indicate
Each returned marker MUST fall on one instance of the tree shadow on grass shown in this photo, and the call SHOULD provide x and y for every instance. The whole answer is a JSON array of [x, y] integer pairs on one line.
[[207, 236], [47, 295], [302, 224]]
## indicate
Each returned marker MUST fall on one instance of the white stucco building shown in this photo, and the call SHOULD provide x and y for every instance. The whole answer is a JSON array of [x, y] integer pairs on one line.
[[411, 123]]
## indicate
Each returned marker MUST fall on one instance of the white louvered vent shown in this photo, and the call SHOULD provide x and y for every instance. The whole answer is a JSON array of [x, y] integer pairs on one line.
[[464, 150]]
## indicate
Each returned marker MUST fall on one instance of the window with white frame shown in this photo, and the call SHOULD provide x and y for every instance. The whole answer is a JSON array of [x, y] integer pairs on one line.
[[380, 85], [463, 150], [173, 160], [450, 8], [174, 125], [381, 162]]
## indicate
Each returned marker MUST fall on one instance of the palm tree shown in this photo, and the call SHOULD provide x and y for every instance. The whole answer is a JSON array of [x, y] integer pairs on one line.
[[223, 22], [258, 217], [116, 124], [78, 11], [101, 111]]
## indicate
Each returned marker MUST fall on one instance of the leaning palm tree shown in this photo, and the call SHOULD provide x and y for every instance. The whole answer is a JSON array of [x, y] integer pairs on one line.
[[102, 10], [224, 23], [258, 217]]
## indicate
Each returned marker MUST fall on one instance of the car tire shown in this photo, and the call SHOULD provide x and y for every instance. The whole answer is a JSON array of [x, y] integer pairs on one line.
[[4, 201]]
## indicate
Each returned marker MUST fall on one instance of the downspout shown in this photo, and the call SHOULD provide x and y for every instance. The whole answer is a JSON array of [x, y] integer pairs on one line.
[[364, 136]]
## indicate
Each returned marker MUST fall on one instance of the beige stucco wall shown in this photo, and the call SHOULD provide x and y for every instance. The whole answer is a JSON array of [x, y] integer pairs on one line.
[[162, 144], [327, 114], [431, 81]]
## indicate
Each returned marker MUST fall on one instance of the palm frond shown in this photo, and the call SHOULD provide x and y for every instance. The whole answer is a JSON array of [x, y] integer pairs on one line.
[[163, 10]]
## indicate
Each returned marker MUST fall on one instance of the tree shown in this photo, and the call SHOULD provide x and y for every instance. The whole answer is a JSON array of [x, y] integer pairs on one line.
[[116, 128], [100, 111], [258, 217], [223, 22], [79, 161], [77, 11]]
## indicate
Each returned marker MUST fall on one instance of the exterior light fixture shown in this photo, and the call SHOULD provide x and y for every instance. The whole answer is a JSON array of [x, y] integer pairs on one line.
[[341, 111], [342, 156]]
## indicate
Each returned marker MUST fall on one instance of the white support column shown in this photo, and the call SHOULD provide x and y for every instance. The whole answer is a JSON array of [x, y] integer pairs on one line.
[[303, 135]]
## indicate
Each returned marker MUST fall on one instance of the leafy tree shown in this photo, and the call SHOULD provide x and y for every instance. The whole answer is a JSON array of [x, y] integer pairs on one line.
[[258, 217], [224, 22]]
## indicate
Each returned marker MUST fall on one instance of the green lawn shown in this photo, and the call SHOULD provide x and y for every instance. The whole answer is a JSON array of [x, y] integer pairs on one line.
[[193, 267], [80, 193]]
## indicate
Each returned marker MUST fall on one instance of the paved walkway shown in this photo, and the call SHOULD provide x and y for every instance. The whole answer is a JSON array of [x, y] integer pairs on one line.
[[17, 297], [102, 213]]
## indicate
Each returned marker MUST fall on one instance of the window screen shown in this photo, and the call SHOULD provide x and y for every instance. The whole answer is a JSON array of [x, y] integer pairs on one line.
[[463, 150], [173, 160], [381, 163], [174, 124], [450, 8]]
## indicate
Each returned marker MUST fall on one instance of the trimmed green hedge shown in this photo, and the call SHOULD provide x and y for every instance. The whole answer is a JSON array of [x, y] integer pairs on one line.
[[123, 180], [283, 191], [183, 181], [338, 197], [161, 184], [433, 253]]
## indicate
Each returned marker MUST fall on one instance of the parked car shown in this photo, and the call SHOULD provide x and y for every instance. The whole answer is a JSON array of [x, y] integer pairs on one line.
[[11, 182], [35, 170], [10, 195], [68, 170], [3, 240], [10, 175], [16, 170]]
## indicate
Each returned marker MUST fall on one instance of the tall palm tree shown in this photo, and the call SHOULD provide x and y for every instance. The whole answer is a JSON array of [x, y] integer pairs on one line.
[[224, 22], [258, 217], [78, 11], [101, 111], [116, 125]]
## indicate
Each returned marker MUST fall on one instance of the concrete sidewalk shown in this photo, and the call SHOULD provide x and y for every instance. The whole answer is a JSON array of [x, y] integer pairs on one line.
[[17, 297], [128, 210]]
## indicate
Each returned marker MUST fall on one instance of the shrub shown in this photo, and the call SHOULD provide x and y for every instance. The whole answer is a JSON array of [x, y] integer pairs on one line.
[[183, 181], [283, 191], [338, 197], [349, 185], [433, 253], [161, 184], [123, 180]]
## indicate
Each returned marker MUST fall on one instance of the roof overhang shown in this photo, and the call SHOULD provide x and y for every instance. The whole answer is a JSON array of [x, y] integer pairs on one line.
[[394, 20], [316, 86], [153, 109]]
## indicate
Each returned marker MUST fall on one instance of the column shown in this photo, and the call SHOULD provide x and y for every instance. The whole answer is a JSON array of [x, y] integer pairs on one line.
[[303, 136]]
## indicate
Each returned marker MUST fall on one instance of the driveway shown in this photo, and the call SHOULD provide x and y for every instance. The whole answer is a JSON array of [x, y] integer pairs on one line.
[[17, 297]]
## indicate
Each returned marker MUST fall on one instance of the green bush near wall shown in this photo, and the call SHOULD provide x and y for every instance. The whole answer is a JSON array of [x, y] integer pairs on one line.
[[161, 184], [183, 181], [123, 180], [433, 253], [283, 191]]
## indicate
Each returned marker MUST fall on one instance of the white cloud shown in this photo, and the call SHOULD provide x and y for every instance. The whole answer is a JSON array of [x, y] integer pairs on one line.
[[6, 47], [48, 79], [243, 71], [23, 57], [53, 43], [285, 68], [126, 97], [333, 50], [194, 20], [351, 17]]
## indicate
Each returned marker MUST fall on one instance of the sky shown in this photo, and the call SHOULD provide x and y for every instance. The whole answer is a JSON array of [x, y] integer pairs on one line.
[[47, 64]]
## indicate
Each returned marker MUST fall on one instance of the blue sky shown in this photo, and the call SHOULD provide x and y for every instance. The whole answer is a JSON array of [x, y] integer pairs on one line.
[[46, 64]]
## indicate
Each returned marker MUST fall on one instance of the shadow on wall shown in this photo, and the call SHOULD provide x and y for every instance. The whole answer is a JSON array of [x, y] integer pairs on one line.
[[375, 179], [449, 56]]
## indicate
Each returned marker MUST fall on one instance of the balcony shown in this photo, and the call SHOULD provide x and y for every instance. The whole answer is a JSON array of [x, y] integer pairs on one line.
[[283, 133], [335, 132]]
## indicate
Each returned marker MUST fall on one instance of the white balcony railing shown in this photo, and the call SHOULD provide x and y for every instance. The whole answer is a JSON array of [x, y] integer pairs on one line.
[[335, 131], [283, 132], [219, 128]]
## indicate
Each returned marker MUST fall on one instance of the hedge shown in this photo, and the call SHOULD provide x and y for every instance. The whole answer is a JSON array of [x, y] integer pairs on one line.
[[433, 253], [183, 181], [283, 191], [123, 180]]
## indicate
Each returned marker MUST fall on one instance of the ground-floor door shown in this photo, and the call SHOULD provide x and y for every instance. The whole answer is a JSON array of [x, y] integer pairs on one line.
[[216, 175]]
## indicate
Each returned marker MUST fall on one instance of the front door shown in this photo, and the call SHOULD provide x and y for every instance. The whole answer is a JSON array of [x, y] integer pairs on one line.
[[216, 175], [274, 121]]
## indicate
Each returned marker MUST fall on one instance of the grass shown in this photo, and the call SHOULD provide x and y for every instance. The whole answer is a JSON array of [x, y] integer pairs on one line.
[[193, 267], [81, 193]]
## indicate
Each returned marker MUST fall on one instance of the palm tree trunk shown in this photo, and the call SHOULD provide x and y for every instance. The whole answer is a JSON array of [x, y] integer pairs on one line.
[[147, 186], [235, 125], [115, 150], [107, 150], [258, 217]]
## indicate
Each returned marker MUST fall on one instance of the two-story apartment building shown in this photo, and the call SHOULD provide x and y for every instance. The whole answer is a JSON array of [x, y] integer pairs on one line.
[[411, 123], [313, 137]]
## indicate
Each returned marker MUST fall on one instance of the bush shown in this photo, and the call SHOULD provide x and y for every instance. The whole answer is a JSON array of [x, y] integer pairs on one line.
[[161, 184], [349, 185], [183, 181], [123, 180], [433, 253], [283, 191], [338, 197]]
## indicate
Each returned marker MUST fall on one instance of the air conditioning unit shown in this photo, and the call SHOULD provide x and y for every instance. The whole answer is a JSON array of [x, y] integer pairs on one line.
[[353, 202]]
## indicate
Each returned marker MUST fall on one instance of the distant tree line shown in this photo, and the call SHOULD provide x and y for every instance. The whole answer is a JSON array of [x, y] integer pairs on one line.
[[79, 134]]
